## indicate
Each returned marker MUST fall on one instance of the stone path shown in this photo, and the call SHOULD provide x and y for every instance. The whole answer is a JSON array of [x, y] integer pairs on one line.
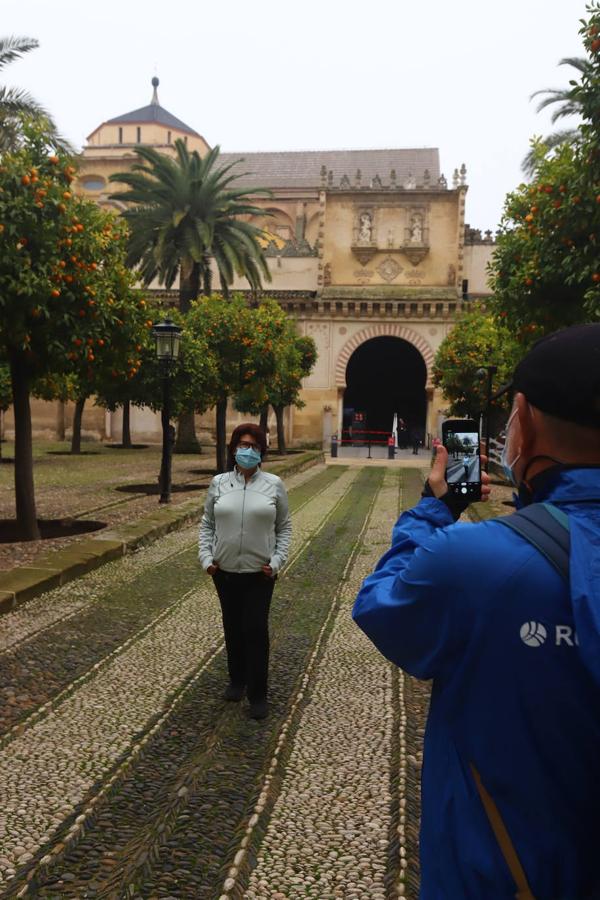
[[123, 774]]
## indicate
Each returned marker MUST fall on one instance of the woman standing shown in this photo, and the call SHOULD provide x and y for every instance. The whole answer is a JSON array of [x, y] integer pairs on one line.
[[244, 541]]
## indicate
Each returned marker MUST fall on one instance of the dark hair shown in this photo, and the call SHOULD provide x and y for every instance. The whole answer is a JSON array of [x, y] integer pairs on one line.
[[246, 428]]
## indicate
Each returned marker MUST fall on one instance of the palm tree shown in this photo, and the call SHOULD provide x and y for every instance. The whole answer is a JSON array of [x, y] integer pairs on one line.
[[185, 212], [16, 103], [565, 103]]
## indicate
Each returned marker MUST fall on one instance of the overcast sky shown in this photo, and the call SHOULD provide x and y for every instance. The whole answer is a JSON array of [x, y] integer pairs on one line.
[[319, 74]]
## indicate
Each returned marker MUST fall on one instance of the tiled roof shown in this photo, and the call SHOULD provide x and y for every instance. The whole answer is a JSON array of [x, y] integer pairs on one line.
[[152, 113], [302, 168]]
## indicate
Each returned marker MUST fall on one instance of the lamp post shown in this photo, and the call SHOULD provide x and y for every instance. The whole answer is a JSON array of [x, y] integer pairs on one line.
[[167, 336], [488, 371]]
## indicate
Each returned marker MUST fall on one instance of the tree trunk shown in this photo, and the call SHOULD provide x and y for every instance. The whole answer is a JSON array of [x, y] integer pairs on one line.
[[280, 429], [77, 417], [60, 421], [126, 426], [189, 284], [189, 288], [207, 277], [187, 441], [27, 525], [264, 417], [221, 435]]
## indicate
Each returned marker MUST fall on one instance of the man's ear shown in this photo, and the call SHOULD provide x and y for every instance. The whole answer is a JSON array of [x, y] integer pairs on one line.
[[527, 428]]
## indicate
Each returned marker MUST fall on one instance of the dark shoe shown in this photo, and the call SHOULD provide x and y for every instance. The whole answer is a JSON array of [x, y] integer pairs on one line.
[[259, 709], [233, 693]]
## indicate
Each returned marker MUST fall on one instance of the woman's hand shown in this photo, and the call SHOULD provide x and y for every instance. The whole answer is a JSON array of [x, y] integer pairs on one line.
[[212, 569], [268, 571]]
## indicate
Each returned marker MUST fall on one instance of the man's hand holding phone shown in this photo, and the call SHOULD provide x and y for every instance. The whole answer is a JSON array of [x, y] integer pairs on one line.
[[437, 486]]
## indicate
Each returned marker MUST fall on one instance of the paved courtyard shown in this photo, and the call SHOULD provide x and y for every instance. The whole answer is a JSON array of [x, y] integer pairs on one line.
[[123, 772]]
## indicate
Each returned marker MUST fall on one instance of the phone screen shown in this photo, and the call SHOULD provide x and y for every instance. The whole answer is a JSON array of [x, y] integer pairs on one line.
[[463, 473]]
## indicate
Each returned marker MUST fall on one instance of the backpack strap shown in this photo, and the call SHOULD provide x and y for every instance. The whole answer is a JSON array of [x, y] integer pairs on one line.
[[547, 528], [503, 838]]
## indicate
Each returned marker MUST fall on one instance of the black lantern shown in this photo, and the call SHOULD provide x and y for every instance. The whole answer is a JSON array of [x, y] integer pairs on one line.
[[168, 336]]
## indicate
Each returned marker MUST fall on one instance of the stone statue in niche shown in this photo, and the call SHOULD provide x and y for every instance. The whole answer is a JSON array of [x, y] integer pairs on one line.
[[451, 276], [416, 229], [365, 231]]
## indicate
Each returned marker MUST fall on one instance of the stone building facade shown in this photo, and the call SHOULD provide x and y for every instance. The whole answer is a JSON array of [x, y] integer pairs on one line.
[[367, 249]]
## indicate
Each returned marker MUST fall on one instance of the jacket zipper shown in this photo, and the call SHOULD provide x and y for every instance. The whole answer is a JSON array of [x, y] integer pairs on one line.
[[242, 525]]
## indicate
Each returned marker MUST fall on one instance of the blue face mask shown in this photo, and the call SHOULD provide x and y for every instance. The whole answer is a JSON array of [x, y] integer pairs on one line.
[[509, 467], [247, 458]]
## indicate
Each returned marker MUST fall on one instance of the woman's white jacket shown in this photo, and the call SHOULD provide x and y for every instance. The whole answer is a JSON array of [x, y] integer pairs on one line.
[[246, 524]]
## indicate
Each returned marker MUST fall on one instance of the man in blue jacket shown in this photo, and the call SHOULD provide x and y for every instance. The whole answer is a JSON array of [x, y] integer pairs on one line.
[[511, 770]]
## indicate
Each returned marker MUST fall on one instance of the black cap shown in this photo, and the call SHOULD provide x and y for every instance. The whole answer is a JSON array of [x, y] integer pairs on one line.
[[561, 375]]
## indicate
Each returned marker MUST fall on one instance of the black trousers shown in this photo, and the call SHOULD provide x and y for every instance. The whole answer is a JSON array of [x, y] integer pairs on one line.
[[245, 602]]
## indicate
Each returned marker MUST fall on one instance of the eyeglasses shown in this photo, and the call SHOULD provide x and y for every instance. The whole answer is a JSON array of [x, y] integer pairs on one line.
[[246, 445]]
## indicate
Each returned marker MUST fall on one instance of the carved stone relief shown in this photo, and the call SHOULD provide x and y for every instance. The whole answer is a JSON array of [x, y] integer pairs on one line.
[[389, 269], [363, 276]]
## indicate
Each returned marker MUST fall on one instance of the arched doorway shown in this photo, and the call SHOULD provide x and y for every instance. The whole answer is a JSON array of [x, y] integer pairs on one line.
[[386, 375]]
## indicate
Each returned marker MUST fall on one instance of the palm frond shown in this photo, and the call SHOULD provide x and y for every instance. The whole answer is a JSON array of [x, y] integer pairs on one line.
[[550, 142], [12, 48]]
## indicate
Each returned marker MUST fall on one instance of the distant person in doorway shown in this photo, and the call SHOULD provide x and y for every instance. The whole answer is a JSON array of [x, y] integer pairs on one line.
[[416, 441], [245, 536], [402, 434]]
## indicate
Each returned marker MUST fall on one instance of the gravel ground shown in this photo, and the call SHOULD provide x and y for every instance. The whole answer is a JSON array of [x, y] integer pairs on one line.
[[328, 834], [133, 779], [48, 768]]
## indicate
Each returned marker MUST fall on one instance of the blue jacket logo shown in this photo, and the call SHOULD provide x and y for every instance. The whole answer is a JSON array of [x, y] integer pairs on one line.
[[533, 634]]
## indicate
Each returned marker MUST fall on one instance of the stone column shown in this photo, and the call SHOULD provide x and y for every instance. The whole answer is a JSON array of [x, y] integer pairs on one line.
[[340, 413]]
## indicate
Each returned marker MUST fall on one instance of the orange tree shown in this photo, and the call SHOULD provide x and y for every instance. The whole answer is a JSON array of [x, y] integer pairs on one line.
[[296, 356], [476, 340], [243, 342], [545, 270], [193, 378], [57, 287]]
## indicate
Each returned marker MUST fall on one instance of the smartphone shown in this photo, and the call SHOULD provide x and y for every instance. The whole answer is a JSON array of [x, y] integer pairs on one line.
[[461, 439]]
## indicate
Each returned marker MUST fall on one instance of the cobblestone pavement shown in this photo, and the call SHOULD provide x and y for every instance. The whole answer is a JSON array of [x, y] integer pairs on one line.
[[122, 772]]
